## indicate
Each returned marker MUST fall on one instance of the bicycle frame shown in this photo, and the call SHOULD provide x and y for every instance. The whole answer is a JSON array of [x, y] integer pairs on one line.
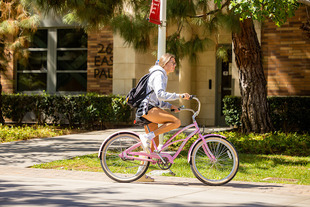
[[142, 156], [128, 154]]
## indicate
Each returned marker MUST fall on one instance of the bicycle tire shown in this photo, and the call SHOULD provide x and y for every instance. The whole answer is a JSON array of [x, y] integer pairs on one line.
[[220, 171], [118, 169]]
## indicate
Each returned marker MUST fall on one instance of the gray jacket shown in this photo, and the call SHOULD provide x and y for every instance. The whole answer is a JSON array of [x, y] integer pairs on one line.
[[158, 82]]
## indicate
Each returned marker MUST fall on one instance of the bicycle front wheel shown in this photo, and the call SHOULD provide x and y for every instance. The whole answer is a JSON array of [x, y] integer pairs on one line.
[[219, 170], [122, 169]]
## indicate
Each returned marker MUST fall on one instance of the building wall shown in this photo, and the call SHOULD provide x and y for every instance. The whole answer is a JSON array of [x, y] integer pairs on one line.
[[286, 54], [100, 62], [205, 70], [129, 66], [123, 67]]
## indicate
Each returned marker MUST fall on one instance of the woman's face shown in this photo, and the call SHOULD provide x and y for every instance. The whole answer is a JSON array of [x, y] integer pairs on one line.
[[170, 66]]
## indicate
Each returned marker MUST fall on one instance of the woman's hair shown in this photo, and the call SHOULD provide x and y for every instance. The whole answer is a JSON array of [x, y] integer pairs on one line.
[[164, 59]]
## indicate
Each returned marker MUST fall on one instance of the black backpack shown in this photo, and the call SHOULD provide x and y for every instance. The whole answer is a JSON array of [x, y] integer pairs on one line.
[[137, 94]]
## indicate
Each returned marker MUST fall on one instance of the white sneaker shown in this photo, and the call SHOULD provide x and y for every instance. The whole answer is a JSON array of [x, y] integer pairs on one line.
[[146, 142]]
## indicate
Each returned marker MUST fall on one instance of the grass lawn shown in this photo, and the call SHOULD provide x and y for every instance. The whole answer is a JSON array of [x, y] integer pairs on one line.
[[253, 168]]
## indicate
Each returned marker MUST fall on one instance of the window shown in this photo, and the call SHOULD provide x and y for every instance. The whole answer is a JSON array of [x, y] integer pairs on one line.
[[57, 62], [32, 73], [71, 60]]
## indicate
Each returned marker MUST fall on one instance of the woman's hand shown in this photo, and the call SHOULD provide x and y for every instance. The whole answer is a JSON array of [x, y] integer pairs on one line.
[[185, 96]]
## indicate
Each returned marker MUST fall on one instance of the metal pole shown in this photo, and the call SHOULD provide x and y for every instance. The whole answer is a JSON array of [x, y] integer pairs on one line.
[[162, 29], [162, 40]]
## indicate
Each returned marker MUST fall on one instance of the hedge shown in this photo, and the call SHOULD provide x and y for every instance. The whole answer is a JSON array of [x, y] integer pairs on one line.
[[86, 111], [293, 144], [287, 113]]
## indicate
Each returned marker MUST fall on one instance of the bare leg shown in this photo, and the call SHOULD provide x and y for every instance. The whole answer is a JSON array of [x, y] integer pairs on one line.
[[160, 116]]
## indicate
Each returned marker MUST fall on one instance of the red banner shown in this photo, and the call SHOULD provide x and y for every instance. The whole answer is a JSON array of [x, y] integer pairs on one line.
[[155, 12]]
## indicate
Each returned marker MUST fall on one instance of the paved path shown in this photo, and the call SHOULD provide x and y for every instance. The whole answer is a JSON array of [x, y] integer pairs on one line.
[[22, 186], [36, 151]]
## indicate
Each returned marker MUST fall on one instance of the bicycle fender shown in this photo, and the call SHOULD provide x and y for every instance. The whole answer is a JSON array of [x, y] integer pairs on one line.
[[112, 135], [198, 140]]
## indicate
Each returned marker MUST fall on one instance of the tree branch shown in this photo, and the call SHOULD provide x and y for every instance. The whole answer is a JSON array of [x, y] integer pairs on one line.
[[213, 11]]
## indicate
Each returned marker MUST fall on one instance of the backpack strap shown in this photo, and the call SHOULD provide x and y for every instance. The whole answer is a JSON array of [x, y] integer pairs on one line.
[[151, 90], [149, 78]]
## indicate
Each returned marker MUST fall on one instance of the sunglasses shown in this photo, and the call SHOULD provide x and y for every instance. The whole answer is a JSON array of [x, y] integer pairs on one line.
[[173, 63]]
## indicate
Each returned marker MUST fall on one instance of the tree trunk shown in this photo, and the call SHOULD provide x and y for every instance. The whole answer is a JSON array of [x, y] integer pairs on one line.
[[306, 2], [253, 86], [1, 115]]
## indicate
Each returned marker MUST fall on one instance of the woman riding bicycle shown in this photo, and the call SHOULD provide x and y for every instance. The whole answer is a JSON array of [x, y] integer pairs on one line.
[[151, 108]]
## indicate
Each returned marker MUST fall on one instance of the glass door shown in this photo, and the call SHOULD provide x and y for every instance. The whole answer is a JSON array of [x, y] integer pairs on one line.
[[223, 84]]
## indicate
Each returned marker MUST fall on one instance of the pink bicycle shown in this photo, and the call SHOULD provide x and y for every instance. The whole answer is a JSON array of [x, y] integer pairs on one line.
[[213, 159]]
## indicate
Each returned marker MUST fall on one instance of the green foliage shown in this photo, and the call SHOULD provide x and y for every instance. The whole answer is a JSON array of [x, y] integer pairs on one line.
[[287, 113], [16, 106], [18, 133], [91, 14], [271, 143], [135, 30], [290, 113], [232, 110], [276, 10], [16, 27], [175, 146], [88, 111]]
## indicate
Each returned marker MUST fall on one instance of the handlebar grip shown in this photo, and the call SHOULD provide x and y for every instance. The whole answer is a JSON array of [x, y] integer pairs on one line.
[[191, 97]]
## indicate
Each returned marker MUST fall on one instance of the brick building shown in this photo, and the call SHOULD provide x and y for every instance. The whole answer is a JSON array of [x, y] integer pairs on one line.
[[65, 60], [286, 52]]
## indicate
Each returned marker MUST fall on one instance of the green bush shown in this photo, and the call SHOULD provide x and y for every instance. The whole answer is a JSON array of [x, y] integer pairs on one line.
[[271, 143], [87, 111], [287, 113], [16, 106], [232, 110], [18, 133]]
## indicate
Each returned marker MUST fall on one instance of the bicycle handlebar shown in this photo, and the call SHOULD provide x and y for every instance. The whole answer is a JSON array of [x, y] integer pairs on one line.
[[195, 113]]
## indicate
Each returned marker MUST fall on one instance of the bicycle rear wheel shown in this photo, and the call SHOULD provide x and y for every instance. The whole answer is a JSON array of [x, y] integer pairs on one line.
[[220, 170], [122, 169]]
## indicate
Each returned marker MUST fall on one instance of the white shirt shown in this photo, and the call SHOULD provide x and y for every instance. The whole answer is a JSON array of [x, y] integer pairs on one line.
[[158, 82]]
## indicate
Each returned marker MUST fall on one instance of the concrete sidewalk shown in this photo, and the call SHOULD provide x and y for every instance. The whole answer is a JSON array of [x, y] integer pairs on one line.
[[15, 176], [37, 151]]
